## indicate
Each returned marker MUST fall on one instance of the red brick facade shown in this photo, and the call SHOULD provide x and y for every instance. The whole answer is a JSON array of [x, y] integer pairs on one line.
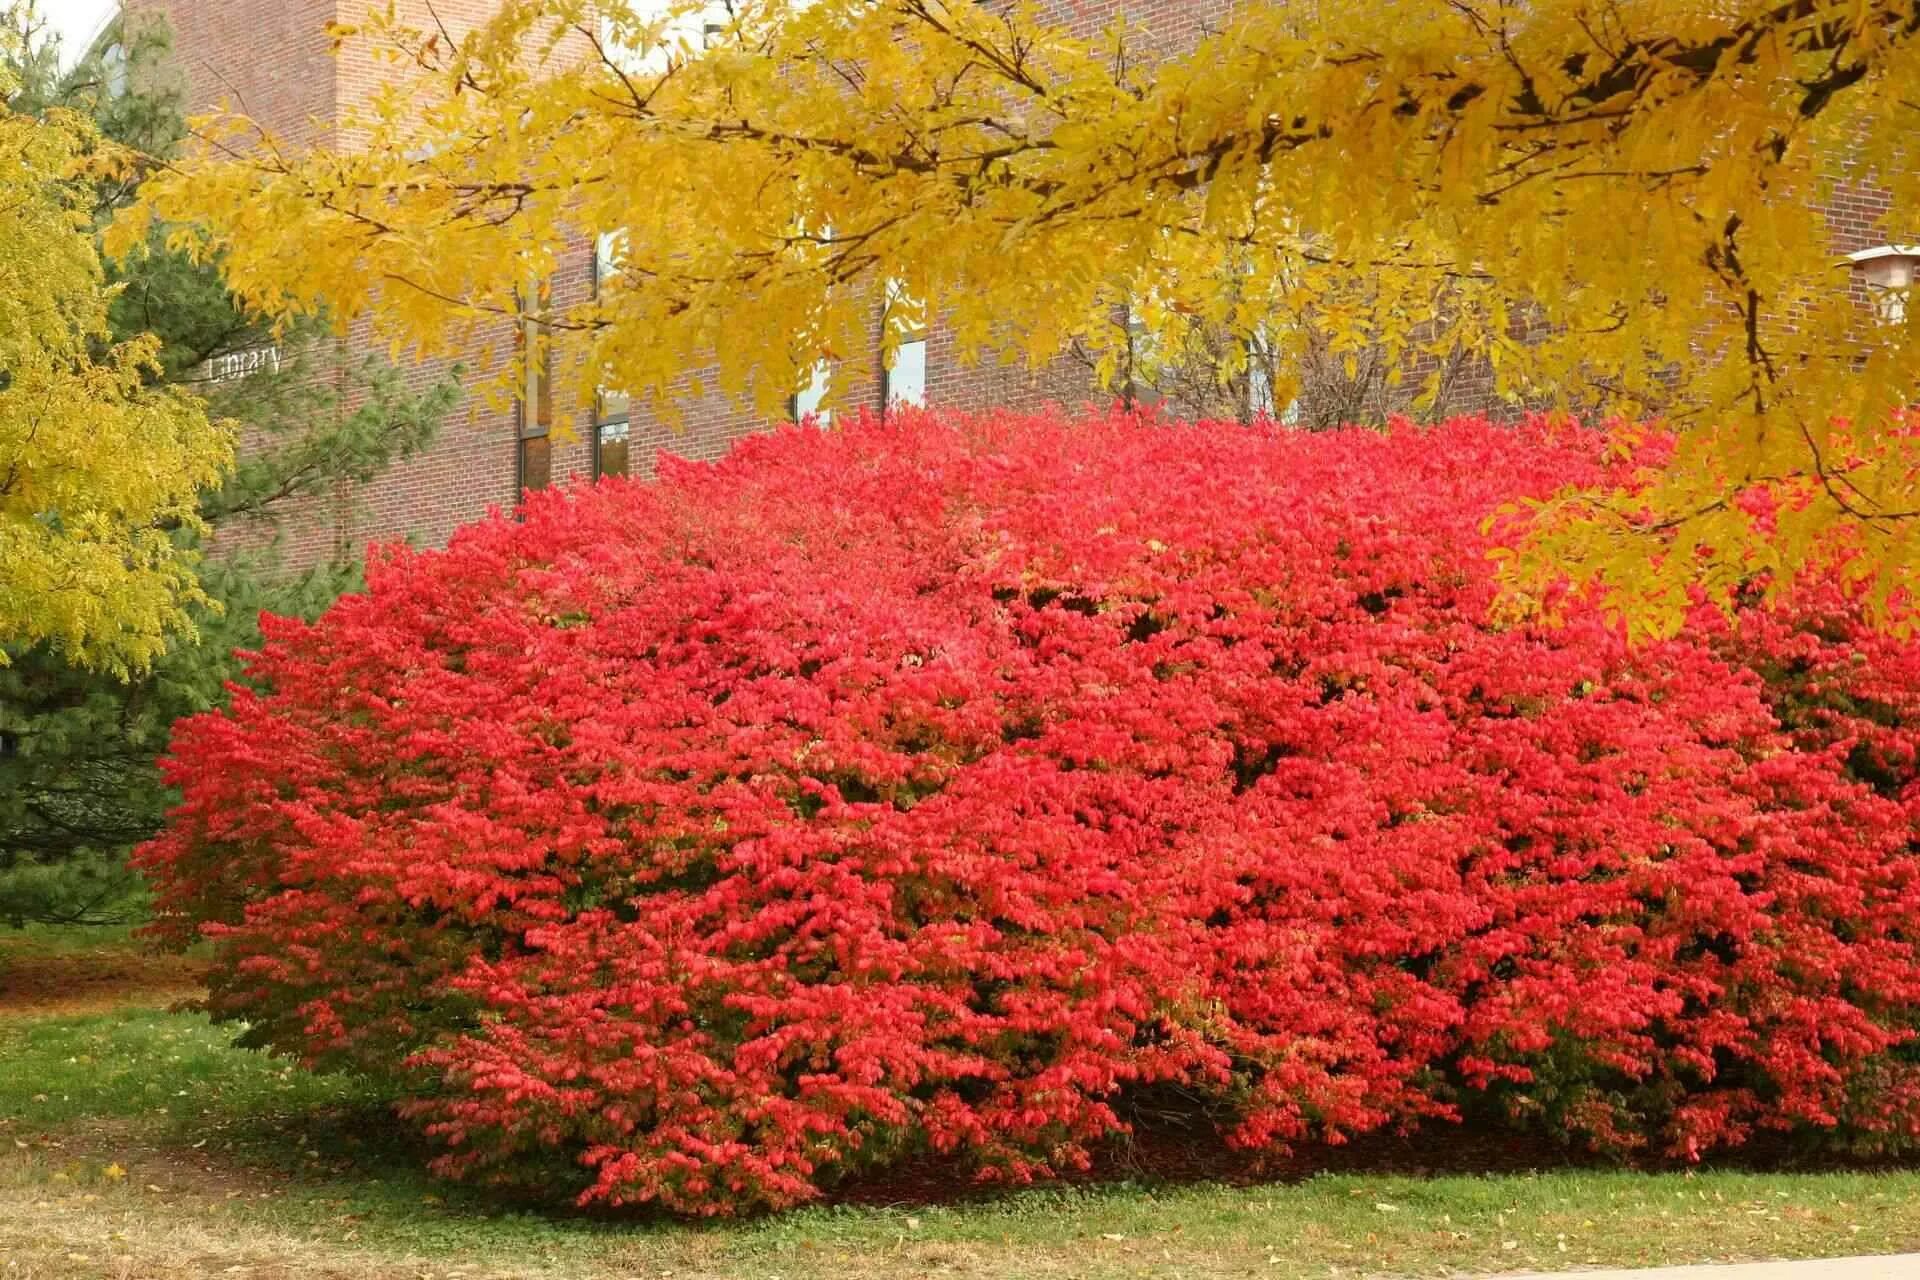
[[272, 57]]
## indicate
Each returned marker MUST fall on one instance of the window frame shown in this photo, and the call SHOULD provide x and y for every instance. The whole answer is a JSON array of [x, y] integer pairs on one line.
[[798, 407], [912, 333], [533, 416], [601, 431], [890, 396], [605, 415]]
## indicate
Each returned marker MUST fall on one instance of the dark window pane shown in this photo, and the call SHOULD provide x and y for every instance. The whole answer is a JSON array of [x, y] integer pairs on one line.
[[536, 463], [613, 450]]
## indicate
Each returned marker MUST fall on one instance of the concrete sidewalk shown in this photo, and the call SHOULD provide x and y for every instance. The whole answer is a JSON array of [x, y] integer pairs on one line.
[[1905, 1266]]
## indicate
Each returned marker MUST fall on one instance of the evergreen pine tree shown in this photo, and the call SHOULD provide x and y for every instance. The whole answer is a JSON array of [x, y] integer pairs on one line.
[[78, 780]]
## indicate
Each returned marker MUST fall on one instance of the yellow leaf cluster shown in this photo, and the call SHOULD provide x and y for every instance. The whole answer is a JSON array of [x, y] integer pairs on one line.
[[1615, 203], [97, 469]]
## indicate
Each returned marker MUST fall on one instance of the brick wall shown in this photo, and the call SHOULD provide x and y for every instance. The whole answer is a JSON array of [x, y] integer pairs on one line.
[[273, 60], [269, 58]]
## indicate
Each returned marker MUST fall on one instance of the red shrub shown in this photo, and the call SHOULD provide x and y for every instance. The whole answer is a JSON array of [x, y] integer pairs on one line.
[[931, 783]]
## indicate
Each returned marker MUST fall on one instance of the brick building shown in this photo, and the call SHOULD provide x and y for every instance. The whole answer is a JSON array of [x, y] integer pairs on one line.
[[273, 59]]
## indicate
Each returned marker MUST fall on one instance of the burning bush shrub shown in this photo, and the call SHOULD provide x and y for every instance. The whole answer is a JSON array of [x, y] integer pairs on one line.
[[929, 784]]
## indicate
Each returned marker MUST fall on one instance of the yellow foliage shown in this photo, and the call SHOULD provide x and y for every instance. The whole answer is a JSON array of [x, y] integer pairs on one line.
[[95, 467], [1614, 201]]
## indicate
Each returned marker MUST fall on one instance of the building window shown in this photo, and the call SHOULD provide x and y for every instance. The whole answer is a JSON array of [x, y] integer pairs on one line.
[[610, 456], [906, 381], [606, 257], [808, 401], [536, 463], [1888, 271], [686, 33], [903, 321], [535, 457], [612, 410]]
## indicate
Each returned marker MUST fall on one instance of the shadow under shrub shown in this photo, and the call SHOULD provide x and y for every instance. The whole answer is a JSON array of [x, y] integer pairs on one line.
[[930, 785]]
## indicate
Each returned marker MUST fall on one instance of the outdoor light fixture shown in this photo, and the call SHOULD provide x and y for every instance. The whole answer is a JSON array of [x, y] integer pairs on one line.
[[1888, 271]]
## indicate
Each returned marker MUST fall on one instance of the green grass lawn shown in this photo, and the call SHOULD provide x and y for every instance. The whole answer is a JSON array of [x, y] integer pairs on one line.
[[138, 1142]]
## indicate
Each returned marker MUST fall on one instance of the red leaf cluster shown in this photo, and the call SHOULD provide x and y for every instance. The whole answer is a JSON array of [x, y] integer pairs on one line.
[[931, 784]]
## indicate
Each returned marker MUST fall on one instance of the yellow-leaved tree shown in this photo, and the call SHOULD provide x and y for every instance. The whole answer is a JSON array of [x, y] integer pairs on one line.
[[97, 468], [1614, 203]]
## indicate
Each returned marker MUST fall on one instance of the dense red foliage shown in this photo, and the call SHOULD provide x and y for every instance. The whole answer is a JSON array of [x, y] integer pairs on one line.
[[931, 784]]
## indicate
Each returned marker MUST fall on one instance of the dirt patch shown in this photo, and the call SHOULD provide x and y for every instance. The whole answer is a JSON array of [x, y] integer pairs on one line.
[[128, 1233], [44, 983]]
